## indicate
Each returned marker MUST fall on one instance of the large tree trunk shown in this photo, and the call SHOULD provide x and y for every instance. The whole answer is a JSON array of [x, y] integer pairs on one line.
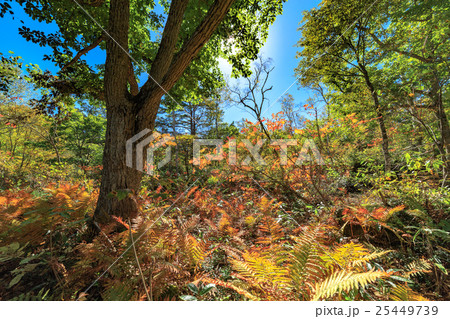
[[116, 175], [122, 124], [128, 114], [120, 120]]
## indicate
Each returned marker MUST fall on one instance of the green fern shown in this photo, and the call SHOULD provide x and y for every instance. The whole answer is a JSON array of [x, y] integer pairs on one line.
[[306, 266]]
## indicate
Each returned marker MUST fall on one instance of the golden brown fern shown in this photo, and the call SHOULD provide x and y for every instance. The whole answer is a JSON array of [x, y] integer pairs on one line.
[[306, 271], [272, 231], [363, 260], [418, 268], [345, 281], [189, 224], [196, 250], [225, 225], [231, 286], [404, 293], [350, 256], [279, 273], [260, 269]]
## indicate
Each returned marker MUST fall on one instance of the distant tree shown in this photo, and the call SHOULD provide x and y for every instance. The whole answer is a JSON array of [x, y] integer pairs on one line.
[[14, 85], [338, 51], [83, 134], [414, 38], [291, 112], [252, 95]]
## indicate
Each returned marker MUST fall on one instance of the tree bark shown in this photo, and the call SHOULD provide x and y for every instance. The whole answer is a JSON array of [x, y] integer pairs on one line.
[[120, 122], [115, 174], [445, 133], [442, 118], [385, 140]]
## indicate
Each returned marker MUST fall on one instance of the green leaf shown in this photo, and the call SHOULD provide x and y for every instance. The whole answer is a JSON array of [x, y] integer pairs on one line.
[[28, 259], [188, 298], [193, 288], [16, 279], [401, 279], [441, 267], [122, 194], [407, 158], [206, 289]]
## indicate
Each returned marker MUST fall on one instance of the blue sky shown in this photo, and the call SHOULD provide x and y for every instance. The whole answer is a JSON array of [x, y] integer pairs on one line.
[[280, 47]]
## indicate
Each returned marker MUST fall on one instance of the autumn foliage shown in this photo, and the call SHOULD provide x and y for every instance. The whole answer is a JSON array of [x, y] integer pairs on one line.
[[275, 232]]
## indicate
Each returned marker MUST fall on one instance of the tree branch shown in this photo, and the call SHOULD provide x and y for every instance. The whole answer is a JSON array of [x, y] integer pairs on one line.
[[169, 40], [389, 47], [93, 3], [192, 47], [152, 92], [83, 51]]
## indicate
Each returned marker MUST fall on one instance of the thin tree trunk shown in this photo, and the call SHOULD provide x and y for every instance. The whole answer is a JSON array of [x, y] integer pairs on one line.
[[385, 141], [444, 128], [443, 124], [174, 133], [380, 119]]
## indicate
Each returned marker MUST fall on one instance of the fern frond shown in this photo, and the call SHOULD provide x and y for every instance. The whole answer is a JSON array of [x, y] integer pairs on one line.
[[211, 224], [168, 266], [190, 223], [345, 281], [419, 214], [260, 269], [196, 250], [191, 191], [391, 212], [225, 225], [273, 230], [351, 256], [404, 293], [306, 266], [360, 262], [231, 286], [418, 268], [118, 291], [230, 251], [345, 255]]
